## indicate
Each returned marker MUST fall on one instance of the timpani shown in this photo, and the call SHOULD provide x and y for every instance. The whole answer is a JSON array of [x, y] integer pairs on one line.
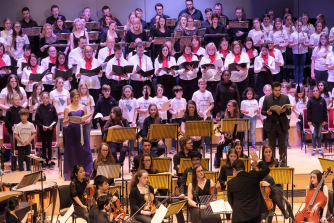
[[12, 179]]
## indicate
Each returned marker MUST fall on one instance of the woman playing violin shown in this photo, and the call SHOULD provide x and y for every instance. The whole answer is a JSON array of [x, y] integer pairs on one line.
[[200, 186], [138, 191], [77, 191]]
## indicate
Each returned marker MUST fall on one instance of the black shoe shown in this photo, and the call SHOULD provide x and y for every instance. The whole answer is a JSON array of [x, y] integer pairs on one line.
[[94, 127], [290, 211], [51, 166], [43, 166]]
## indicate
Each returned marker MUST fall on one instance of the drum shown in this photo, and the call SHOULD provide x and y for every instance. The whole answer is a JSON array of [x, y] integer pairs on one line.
[[33, 193], [12, 179]]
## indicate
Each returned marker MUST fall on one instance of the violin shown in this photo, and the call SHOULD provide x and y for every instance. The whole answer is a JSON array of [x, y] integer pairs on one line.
[[315, 201], [266, 191], [149, 197], [116, 206], [89, 192]]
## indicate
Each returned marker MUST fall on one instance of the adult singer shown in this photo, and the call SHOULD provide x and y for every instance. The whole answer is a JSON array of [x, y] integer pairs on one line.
[[247, 201], [276, 124]]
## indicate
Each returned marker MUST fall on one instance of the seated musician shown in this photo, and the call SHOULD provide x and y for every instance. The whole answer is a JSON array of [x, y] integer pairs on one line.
[[104, 157], [146, 163], [104, 206], [153, 118], [268, 156], [276, 194], [191, 115], [101, 188], [186, 146], [13, 204], [77, 191], [201, 186], [146, 146], [116, 121], [238, 146], [138, 189]]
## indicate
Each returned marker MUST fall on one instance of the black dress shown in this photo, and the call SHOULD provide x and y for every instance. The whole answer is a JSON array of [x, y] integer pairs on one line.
[[194, 213], [76, 39], [104, 37], [43, 41], [136, 201], [12, 219]]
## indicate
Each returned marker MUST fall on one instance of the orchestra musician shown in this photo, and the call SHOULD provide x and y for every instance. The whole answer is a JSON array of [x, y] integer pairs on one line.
[[13, 204], [200, 186], [146, 163], [138, 188], [104, 157], [104, 206], [186, 146], [146, 149]]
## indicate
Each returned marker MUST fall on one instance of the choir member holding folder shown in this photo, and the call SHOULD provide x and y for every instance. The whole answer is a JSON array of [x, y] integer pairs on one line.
[[115, 73], [164, 70], [188, 73], [22, 62], [238, 63], [61, 69], [279, 60], [211, 65], [48, 63], [107, 53], [4, 66], [32, 67], [142, 66], [91, 79]]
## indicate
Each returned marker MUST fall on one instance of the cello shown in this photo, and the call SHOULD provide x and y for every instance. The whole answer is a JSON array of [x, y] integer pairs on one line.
[[265, 191], [315, 199]]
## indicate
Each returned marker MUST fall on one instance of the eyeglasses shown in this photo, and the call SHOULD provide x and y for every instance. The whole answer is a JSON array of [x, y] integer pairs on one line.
[[199, 171], [104, 150], [147, 160], [190, 143]]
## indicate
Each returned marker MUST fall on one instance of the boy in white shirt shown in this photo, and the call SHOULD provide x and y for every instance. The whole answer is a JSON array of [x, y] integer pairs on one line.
[[178, 108], [285, 88], [24, 133], [204, 103]]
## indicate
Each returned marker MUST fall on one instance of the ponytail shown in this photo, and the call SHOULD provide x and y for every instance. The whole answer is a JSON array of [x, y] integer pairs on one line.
[[11, 204]]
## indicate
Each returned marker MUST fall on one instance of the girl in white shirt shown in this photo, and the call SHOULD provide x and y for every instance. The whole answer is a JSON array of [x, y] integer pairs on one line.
[[264, 65], [257, 33], [165, 75], [34, 100], [32, 67], [330, 67], [301, 104], [299, 43], [314, 39], [61, 64], [23, 59], [4, 61], [319, 70], [307, 27], [8, 29], [239, 76], [87, 101], [280, 36], [250, 107], [279, 61], [288, 24], [252, 53], [224, 48], [325, 93], [197, 49], [159, 100], [266, 24], [187, 76], [143, 104], [321, 18], [15, 42]]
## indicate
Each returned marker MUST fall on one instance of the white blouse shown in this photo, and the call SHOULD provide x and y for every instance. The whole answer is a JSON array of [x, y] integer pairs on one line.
[[25, 77], [299, 37], [157, 65], [91, 82], [211, 74], [189, 75], [237, 76], [258, 64], [279, 38]]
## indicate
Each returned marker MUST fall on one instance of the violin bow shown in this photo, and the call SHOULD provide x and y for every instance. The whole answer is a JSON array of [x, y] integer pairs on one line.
[[177, 188], [131, 217]]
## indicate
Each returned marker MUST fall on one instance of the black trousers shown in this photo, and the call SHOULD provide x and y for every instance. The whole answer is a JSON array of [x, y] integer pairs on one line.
[[220, 149], [263, 78], [117, 88], [212, 87], [168, 82], [95, 93], [24, 152], [276, 132], [48, 87], [160, 149], [46, 137], [277, 77], [242, 85], [115, 147], [81, 213], [137, 88], [189, 87], [143, 218]]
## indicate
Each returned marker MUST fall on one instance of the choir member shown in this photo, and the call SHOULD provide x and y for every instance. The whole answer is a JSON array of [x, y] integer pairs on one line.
[[270, 12], [23, 59], [190, 30], [280, 36], [105, 24], [59, 27], [139, 14], [161, 30], [197, 49], [86, 14], [224, 48], [77, 54], [110, 32], [117, 82], [215, 28], [267, 27], [315, 37], [32, 67], [27, 22], [307, 26], [15, 43], [188, 76], [257, 33], [319, 69], [279, 61], [239, 77], [8, 31], [288, 24], [48, 37], [129, 21], [145, 63], [51, 59], [61, 64], [165, 77], [159, 8], [330, 67], [239, 33], [252, 53], [190, 10], [77, 32], [55, 14], [219, 10], [107, 50], [4, 61], [106, 11], [182, 24], [208, 21], [321, 18]]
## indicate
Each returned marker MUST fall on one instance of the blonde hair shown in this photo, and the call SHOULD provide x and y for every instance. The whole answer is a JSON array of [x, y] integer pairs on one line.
[[201, 80], [140, 25], [267, 86], [87, 93], [87, 48], [75, 21], [128, 21], [210, 45], [44, 32]]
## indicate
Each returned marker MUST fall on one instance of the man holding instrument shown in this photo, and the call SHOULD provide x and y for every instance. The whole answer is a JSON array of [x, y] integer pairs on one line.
[[103, 203]]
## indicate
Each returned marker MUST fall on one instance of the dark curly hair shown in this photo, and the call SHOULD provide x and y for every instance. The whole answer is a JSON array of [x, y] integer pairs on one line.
[[326, 88], [244, 94]]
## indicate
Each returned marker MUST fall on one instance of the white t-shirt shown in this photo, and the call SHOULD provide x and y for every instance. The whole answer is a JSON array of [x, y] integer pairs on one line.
[[84, 101], [299, 37], [143, 104], [247, 105], [34, 106], [267, 29], [288, 30], [175, 103], [314, 39], [20, 41], [128, 107], [260, 106], [279, 37], [24, 131], [308, 29], [257, 35], [60, 100], [331, 33], [4, 94], [300, 105], [203, 100], [293, 102], [330, 61], [159, 102], [326, 98], [320, 57]]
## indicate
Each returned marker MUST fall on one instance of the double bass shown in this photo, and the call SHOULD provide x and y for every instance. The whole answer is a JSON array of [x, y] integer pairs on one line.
[[315, 201]]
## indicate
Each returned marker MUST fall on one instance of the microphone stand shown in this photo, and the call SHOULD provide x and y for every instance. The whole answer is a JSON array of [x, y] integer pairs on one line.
[[199, 207]]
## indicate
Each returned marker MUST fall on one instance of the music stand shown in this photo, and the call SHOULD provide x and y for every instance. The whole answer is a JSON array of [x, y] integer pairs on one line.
[[207, 199], [160, 181], [122, 44], [93, 35], [185, 40], [121, 32], [163, 164], [33, 31], [239, 24], [200, 128], [227, 125], [109, 170], [163, 40], [197, 24], [63, 36], [164, 131], [201, 32], [68, 24], [186, 162], [147, 32], [175, 208], [223, 20], [92, 25], [208, 175], [284, 175], [177, 34], [67, 215], [170, 22], [122, 134]]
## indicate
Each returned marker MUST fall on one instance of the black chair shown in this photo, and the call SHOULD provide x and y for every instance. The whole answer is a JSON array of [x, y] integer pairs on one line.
[[65, 201]]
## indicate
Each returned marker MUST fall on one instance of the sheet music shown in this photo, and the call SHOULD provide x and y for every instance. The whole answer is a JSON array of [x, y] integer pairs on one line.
[[159, 214], [252, 112], [180, 109], [67, 215], [98, 115], [109, 171], [165, 106]]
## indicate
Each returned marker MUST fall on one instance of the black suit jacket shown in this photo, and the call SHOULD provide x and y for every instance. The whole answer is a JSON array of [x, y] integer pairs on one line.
[[244, 194], [267, 103]]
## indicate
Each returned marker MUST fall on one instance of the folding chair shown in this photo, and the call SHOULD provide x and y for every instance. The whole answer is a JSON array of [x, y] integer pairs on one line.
[[307, 130]]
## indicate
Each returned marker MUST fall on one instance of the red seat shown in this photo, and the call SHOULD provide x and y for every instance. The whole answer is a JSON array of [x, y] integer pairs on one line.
[[5, 137], [39, 140]]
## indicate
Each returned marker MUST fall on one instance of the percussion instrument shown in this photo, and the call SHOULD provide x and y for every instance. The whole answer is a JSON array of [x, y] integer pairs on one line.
[[12, 179]]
